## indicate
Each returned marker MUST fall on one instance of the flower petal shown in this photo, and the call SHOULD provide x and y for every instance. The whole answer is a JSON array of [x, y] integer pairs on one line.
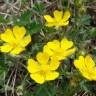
[[33, 66], [25, 41], [89, 62], [57, 24], [89, 74], [66, 15], [86, 75], [38, 78], [6, 48], [48, 18], [80, 64], [47, 50], [69, 52], [59, 56], [54, 45], [54, 64], [7, 36], [64, 23], [93, 76], [52, 75], [17, 50], [42, 58], [19, 32], [66, 44], [86, 67], [58, 15]]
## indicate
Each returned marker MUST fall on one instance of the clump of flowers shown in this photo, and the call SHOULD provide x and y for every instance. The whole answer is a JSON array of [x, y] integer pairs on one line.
[[59, 49], [58, 20], [15, 40], [43, 68], [86, 66]]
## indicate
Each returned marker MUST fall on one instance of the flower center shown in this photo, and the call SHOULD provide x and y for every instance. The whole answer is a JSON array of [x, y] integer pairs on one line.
[[42, 72], [14, 45]]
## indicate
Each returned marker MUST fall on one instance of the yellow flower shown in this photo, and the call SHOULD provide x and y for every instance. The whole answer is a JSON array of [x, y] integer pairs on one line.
[[43, 69], [59, 50], [15, 40], [86, 66], [58, 20]]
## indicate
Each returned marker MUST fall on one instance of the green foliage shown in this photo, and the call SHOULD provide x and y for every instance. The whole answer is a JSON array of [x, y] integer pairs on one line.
[[24, 19], [88, 86], [28, 93], [38, 8], [2, 20], [30, 15], [50, 89], [84, 20], [24, 1], [3, 72], [35, 27]]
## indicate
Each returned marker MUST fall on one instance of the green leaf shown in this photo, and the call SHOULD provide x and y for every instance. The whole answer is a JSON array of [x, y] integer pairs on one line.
[[28, 93], [35, 27], [38, 7], [2, 20], [49, 29], [48, 89], [92, 32], [3, 72], [84, 20], [24, 19], [88, 86]]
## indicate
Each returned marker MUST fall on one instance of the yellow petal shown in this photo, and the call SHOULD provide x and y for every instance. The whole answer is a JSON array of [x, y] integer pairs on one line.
[[93, 76], [54, 45], [59, 56], [19, 32], [57, 24], [66, 44], [17, 50], [25, 41], [52, 75], [86, 75], [66, 15], [42, 58], [7, 36], [48, 18], [64, 23], [54, 64], [47, 50], [33, 66], [58, 15], [80, 64], [6, 48], [85, 67], [89, 74], [89, 62], [69, 52], [38, 78]]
